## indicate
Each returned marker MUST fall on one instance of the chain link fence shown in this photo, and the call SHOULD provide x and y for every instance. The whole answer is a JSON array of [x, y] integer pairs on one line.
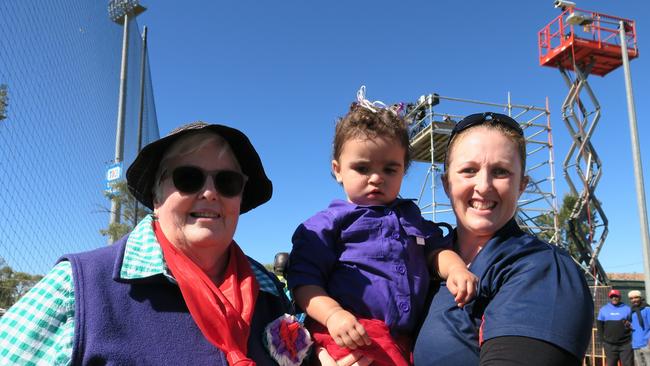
[[59, 82]]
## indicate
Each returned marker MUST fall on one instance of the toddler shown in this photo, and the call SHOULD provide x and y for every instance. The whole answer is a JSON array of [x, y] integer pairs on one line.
[[359, 268]]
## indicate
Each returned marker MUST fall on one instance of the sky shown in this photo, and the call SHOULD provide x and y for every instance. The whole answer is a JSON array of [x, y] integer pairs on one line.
[[283, 72]]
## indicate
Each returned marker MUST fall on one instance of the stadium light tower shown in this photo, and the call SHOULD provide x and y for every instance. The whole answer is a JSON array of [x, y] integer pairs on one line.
[[121, 11]]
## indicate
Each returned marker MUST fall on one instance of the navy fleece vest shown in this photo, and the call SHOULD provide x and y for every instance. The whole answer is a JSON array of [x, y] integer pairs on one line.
[[145, 321]]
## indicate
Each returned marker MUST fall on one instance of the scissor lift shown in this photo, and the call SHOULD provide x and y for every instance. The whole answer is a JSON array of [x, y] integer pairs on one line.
[[579, 43], [430, 131]]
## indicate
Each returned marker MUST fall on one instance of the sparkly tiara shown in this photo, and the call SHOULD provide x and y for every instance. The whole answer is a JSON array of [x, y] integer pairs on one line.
[[377, 104]]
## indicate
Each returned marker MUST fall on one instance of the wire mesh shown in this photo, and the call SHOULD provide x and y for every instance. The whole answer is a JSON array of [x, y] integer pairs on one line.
[[59, 72]]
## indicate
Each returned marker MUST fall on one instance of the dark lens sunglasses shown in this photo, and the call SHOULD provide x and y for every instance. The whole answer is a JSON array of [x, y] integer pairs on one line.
[[486, 117], [190, 179], [479, 119]]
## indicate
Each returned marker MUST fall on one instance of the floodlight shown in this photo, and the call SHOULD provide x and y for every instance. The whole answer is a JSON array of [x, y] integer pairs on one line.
[[117, 9]]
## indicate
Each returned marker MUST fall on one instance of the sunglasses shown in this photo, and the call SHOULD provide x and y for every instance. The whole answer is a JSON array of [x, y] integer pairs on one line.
[[486, 117], [479, 119], [190, 179]]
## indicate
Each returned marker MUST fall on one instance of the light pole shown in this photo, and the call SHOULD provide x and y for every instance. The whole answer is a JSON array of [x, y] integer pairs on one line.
[[636, 157], [121, 11], [143, 62]]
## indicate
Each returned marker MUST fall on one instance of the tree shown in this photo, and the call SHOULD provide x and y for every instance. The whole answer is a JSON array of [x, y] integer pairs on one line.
[[13, 285], [128, 211], [564, 215]]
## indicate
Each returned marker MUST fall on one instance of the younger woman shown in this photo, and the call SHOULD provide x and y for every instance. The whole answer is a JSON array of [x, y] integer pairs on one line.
[[533, 306]]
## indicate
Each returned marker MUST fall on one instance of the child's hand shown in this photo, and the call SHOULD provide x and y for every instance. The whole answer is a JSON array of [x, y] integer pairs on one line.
[[346, 330], [353, 359], [462, 284]]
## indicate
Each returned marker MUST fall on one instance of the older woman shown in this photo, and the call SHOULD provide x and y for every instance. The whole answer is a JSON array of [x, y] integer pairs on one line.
[[177, 290], [533, 306]]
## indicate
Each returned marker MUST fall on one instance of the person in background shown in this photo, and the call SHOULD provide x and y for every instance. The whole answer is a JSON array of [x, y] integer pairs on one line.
[[640, 328], [280, 262], [614, 330], [177, 290], [533, 306], [359, 269]]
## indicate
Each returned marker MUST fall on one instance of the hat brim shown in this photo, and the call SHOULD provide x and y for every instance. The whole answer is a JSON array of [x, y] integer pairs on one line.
[[141, 174]]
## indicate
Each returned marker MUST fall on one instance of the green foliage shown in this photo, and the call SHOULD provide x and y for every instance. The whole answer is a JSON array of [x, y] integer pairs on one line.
[[116, 230], [567, 240], [14, 284], [127, 204]]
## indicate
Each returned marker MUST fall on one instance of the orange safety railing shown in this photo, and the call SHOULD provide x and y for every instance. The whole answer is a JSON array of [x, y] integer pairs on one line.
[[596, 35]]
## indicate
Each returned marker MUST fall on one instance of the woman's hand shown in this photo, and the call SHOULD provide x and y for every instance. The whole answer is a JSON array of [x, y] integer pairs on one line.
[[346, 330], [462, 284], [355, 358]]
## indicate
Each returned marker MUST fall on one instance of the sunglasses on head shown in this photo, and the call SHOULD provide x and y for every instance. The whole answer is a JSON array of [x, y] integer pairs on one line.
[[190, 179], [486, 117]]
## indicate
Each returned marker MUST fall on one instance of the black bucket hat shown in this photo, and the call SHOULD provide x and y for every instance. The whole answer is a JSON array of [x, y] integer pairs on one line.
[[141, 174]]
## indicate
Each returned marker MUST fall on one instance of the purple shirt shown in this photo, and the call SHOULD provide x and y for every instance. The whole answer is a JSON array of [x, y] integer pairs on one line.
[[371, 259]]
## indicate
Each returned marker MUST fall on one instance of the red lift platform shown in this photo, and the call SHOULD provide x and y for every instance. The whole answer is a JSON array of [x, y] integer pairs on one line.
[[587, 38]]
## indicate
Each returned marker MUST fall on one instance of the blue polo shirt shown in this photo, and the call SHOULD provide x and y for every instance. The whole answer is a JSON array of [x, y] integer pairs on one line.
[[526, 288], [611, 312], [641, 334], [371, 259]]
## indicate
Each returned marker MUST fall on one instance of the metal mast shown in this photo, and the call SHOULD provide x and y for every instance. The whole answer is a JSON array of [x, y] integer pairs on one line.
[[121, 11]]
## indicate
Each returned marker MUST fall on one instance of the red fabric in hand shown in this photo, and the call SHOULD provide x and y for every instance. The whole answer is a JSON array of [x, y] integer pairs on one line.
[[383, 350]]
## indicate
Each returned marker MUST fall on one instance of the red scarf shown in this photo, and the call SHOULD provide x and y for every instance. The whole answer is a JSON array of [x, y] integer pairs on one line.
[[223, 313]]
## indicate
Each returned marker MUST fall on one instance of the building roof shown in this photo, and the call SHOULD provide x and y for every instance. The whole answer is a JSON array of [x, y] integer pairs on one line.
[[626, 276]]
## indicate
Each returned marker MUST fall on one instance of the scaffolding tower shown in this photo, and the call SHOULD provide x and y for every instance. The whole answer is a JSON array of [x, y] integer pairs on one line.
[[579, 43], [431, 120]]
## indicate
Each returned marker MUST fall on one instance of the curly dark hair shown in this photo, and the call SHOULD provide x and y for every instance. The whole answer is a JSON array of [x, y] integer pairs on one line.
[[362, 122]]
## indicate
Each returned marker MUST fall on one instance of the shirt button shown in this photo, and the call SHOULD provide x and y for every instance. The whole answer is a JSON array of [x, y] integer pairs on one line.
[[404, 306], [401, 269], [395, 236]]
